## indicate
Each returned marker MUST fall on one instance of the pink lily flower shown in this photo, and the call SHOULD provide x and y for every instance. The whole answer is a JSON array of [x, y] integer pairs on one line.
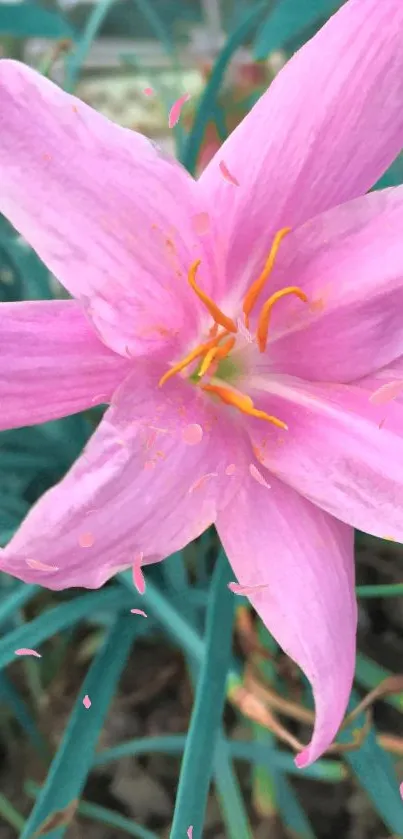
[[238, 326]]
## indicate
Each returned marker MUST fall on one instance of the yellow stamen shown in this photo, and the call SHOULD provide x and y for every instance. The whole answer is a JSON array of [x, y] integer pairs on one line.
[[212, 307], [264, 317], [216, 354], [201, 349], [243, 403], [256, 287]]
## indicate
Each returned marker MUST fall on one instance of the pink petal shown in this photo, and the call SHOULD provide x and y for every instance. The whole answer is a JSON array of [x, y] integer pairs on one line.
[[327, 128], [138, 612], [148, 91], [27, 651], [190, 832], [116, 225], [51, 363], [335, 453], [298, 564], [129, 510], [349, 262], [176, 109], [87, 701]]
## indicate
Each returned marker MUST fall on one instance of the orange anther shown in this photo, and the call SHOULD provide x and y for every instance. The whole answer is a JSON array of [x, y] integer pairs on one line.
[[212, 307], [201, 349], [242, 402], [264, 317], [256, 287], [216, 354]]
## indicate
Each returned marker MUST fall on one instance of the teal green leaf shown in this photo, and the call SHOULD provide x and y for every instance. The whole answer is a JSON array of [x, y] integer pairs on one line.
[[393, 176], [31, 20], [387, 590], [369, 674], [287, 20], [17, 706], [228, 792], [208, 102], [75, 60], [9, 814], [104, 816], [73, 760], [251, 752], [375, 772], [19, 596], [34, 633], [198, 758]]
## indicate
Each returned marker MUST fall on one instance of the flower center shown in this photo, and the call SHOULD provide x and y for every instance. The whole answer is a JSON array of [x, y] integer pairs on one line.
[[215, 353]]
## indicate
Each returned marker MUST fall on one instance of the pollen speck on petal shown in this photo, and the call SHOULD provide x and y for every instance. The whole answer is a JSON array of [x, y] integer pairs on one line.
[[138, 576], [201, 481], [86, 540], [386, 393], [175, 111], [192, 434], [41, 566], [201, 223], [87, 701], [254, 471], [227, 174], [231, 469]]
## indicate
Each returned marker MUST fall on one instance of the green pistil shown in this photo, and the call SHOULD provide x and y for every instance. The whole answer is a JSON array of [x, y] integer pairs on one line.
[[227, 371]]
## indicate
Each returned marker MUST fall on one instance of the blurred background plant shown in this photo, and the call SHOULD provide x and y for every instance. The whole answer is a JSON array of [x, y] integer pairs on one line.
[[193, 710]]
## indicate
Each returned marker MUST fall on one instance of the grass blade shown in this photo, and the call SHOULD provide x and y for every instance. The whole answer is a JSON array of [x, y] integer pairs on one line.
[[369, 675], [18, 597], [208, 102], [76, 59], [11, 697], [229, 794], [198, 758], [104, 816], [61, 617], [287, 20], [73, 760], [375, 772], [10, 814]]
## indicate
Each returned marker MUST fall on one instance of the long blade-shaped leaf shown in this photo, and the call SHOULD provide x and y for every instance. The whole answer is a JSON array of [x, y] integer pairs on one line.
[[74, 758]]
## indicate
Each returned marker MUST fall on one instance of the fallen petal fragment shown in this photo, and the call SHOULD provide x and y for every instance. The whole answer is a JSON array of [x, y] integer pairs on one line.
[[27, 651], [175, 111], [227, 174], [245, 591]]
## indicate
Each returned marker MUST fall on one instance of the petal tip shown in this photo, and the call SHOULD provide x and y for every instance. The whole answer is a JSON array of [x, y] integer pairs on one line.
[[303, 759]]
